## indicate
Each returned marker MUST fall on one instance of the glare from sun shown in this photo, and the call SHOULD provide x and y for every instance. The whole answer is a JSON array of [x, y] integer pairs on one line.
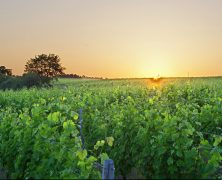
[[157, 77], [155, 67]]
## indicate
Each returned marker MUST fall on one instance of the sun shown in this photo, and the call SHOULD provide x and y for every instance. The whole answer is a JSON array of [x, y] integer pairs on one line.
[[155, 81], [155, 67], [156, 78]]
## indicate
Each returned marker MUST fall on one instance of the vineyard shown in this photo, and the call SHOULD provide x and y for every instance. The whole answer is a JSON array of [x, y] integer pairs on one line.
[[165, 129]]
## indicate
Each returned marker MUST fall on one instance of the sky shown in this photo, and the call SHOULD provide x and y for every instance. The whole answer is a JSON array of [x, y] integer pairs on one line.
[[115, 38]]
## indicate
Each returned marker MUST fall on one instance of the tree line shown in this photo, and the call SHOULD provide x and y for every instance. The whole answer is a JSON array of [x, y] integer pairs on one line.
[[39, 71]]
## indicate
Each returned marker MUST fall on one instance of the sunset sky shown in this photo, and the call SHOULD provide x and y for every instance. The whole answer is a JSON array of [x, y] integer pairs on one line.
[[115, 38]]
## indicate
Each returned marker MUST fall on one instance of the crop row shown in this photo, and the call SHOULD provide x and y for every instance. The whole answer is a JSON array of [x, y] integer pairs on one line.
[[169, 132]]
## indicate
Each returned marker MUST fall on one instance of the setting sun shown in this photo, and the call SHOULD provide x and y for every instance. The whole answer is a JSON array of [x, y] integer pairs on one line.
[[155, 67], [155, 78]]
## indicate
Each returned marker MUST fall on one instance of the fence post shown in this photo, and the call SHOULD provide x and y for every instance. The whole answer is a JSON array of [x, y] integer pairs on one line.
[[108, 169], [81, 134]]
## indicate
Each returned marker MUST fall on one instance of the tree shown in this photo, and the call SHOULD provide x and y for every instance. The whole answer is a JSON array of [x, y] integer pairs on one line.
[[45, 65], [5, 72]]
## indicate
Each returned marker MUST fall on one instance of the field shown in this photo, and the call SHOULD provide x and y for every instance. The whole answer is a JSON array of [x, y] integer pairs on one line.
[[169, 128]]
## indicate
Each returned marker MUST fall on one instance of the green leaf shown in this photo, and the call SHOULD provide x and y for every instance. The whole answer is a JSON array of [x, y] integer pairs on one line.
[[110, 141], [81, 154], [63, 98], [103, 157], [170, 161], [99, 144], [68, 124], [54, 117], [76, 116], [217, 141]]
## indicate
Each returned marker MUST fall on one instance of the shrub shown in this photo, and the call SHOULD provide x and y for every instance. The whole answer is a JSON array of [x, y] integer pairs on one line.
[[3, 78], [32, 79], [26, 81], [11, 83]]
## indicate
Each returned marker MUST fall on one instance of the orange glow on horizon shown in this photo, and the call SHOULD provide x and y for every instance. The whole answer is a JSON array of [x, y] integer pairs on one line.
[[115, 39]]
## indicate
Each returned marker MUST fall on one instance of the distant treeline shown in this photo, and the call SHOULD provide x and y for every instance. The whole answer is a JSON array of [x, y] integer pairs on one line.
[[77, 76], [39, 72], [29, 80]]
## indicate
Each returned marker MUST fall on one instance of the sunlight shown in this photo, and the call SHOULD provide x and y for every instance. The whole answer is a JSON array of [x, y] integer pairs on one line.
[[155, 68], [156, 78]]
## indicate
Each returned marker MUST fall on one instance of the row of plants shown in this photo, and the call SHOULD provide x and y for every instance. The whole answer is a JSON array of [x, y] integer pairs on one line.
[[41, 139], [174, 132], [168, 132]]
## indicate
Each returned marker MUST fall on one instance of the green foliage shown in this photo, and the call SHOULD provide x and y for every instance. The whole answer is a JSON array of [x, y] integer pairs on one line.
[[3, 78], [34, 80], [28, 80], [169, 132], [43, 142], [11, 83]]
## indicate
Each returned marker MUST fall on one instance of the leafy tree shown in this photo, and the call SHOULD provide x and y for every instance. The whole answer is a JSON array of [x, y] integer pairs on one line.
[[45, 65], [4, 71]]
